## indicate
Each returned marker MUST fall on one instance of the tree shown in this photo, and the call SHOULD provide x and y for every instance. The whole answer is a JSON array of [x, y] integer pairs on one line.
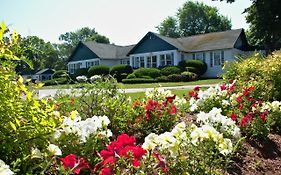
[[41, 54], [169, 27], [195, 18], [71, 39], [264, 17]]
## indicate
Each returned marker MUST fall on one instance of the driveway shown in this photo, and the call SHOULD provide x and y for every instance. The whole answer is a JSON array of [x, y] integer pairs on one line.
[[51, 92]]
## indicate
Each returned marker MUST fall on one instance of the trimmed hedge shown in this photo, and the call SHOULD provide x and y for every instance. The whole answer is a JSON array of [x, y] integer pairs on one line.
[[193, 70], [170, 70], [131, 76], [137, 80], [60, 74], [120, 71], [151, 72], [198, 64], [80, 72], [56, 81], [162, 79], [182, 65], [98, 70], [175, 78], [189, 76]]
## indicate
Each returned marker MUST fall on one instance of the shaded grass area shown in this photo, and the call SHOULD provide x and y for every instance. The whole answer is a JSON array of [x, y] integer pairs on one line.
[[143, 85]]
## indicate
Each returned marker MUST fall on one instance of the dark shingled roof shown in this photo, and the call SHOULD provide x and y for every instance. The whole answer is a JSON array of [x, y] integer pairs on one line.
[[108, 51], [204, 42], [45, 71]]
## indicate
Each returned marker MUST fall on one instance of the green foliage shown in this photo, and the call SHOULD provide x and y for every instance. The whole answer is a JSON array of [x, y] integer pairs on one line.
[[60, 74], [138, 80], [151, 72], [131, 76], [169, 27], [194, 18], [56, 81], [263, 73], [189, 76], [25, 122], [175, 77], [98, 70], [198, 64], [120, 69], [182, 65], [170, 70], [192, 69], [80, 72], [162, 79]]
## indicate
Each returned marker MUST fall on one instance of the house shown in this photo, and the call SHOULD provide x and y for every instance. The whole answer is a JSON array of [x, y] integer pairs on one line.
[[155, 50], [91, 53], [44, 74]]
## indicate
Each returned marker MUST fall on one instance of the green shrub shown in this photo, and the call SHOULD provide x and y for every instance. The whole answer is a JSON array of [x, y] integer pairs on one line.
[[56, 81], [137, 80], [162, 79], [189, 76], [146, 77], [80, 72], [152, 72], [263, 73], [175, 78], [60, 73], [120, 69], [198, 64], [182, 65], [170, 70], [131, 76], [193, 70], [98, 70]]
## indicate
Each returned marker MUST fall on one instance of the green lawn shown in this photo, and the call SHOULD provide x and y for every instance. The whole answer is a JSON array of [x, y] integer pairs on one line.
[[143, 85]]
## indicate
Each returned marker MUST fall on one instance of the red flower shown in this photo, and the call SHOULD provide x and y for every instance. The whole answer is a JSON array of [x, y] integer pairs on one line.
[[251, 88], [106, 171], [74, 163], [126, 140], [263, 115], [246, 119], [136, 163], [170, 99], [233, 116], [197, 88], [223, 87], [193, 94], [238, 99], [231, 88], [240, 107], [173, 110], [231, 81]]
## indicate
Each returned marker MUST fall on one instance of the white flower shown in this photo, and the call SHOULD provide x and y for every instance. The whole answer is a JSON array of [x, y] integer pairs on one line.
[[54, 150], [225, 147], [81, 78], [150, 142], [95, 77], [225, 103], [56, 134], [35, 153], [276, 105], [5, 169], [166, 140]]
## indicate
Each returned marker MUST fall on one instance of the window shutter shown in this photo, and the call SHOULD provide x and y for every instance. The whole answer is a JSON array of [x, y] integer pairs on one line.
[[211, 59]]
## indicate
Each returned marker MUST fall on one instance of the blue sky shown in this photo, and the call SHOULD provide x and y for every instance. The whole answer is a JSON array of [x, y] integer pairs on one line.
[[122, 21]]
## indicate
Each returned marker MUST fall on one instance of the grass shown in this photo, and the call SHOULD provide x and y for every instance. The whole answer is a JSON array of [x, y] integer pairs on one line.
[[143, 85]]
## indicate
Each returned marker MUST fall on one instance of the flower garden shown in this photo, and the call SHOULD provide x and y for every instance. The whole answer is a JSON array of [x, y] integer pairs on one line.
[[100, 130]]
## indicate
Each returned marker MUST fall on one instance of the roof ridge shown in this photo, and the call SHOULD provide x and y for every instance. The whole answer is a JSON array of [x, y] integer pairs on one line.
[[209, 33]]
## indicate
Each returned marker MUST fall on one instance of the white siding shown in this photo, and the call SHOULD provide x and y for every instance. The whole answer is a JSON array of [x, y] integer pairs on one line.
[[109, 62]]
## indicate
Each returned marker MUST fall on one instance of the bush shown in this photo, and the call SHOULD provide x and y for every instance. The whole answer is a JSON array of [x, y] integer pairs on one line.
[[152, 72], [263, 73], [193, 70], [80, 72], [175, 78], [98, 70], [60, 73], [162, 79], [182, 65], [56, 81], [130, 76], [137, 80], [198, 64], [189, 76], [121, 69], [170, 70]]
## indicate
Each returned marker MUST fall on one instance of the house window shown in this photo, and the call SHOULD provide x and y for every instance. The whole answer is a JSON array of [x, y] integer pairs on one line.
[[148, 65], [217, 58], [133, 61], [193, 56], [222, 57], [141, 61], [170, 59], [154, 61], [211, 59], [204, 57], [71, 68], [162, 60], [182, 57], [137, 61]]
